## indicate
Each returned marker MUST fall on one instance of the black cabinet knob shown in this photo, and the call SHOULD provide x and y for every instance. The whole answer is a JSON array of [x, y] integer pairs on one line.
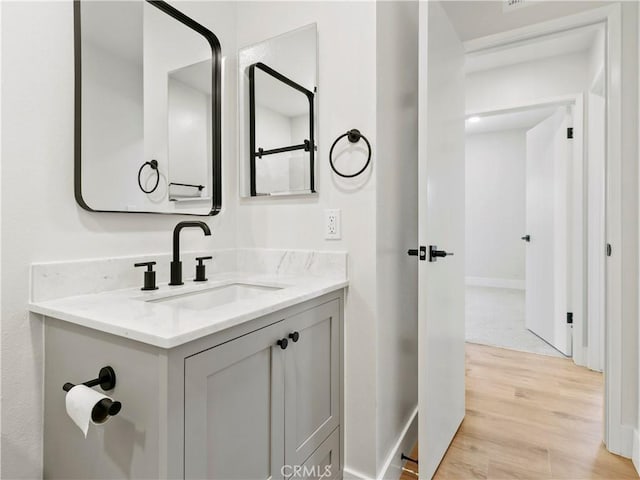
[[295, 336], [149, 275], [284, 343], [526, 238]]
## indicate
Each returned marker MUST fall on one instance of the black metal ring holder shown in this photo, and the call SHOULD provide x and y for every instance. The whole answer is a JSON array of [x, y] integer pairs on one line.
[[154, 166], [353, 136], [104, 408]]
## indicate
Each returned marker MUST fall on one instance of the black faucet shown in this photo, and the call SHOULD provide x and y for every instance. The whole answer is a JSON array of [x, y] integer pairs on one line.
[[176, 264]]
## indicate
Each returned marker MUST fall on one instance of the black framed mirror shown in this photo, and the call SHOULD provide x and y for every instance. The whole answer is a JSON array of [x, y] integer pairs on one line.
[[278, 115], [148, 98], [273, 96]]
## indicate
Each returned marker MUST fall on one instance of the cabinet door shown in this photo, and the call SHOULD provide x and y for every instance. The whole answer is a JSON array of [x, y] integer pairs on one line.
[[312, 381], [234, 426], [323, 464]]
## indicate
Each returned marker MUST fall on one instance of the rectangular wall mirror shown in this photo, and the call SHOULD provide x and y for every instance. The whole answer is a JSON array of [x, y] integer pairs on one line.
[[148, 109], [278, 115]]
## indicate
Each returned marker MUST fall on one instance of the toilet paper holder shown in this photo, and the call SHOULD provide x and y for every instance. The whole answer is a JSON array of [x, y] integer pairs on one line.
[[107, 381]]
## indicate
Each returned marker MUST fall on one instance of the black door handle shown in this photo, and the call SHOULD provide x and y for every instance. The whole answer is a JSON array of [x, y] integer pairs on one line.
[[434, 253], [422, 253], [284, 343], [295, 336], [526, 238]]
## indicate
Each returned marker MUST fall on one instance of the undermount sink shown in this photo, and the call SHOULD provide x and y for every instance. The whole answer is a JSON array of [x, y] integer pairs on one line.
[[215, 297]]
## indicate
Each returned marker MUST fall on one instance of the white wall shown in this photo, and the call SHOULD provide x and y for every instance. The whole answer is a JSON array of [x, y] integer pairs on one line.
[[39, 210], [346, 99], [596, 243], [526, 82], [495, 206], [189, 134], [396, 223], [117, 156], [1, 430], [596, 57], [37, 43], [629, 246], [595, 109], [273, 130], [636, 436]]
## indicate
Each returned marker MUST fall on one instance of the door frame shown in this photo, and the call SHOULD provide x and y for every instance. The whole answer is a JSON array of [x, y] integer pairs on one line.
[[578, 261], [617, 437]]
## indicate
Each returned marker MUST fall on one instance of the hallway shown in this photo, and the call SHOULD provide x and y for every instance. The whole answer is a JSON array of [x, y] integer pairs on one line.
[[529, 416]]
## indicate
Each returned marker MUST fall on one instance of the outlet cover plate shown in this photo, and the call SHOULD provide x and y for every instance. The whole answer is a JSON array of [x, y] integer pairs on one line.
[[332, 227]]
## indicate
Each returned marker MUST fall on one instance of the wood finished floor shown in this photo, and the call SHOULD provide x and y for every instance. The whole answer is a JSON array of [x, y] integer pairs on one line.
[[529, 416]]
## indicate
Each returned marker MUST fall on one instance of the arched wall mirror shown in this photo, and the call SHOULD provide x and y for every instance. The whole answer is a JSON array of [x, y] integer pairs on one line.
[[148, 110]]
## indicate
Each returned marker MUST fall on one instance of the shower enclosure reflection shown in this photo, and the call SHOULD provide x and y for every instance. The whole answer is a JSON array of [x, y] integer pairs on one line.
[[278, 115]]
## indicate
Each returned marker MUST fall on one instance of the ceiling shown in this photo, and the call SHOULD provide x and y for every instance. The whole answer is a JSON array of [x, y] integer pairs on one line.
[[523, 119], [475, 19]]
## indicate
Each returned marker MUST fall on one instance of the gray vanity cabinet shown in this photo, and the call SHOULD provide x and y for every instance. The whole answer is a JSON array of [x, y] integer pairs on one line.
[[252, 407], [231, 405], [233, 397]]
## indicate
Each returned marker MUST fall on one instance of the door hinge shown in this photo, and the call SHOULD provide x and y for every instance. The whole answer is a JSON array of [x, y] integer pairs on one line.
[[570, 132], [570, 318]]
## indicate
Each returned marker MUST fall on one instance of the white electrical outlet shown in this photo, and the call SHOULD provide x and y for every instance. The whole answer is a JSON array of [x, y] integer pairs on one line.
[[332, 224]]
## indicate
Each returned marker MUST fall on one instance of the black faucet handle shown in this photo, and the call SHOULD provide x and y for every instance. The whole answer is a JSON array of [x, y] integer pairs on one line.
[[149, 275], [201, 272], [149, 265], [202, 259]]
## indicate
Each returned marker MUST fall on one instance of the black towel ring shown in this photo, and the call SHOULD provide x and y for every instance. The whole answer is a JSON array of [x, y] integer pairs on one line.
[[353, 136], [154, 166]]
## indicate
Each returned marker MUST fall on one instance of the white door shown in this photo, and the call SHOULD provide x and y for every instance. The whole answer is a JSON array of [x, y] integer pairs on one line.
[[547, 282], [441, 223]]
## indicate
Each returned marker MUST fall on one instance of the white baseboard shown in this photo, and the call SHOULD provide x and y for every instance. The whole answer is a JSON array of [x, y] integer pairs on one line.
[[635, 456], [622, 440], [495, 282], [392, 467], [349, 474]]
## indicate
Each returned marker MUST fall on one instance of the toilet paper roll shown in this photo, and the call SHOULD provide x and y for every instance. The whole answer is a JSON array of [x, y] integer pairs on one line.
[[80, 402]]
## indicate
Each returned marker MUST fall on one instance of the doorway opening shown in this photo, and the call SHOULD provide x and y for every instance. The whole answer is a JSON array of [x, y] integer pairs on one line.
[[442, 284], [535, 204]]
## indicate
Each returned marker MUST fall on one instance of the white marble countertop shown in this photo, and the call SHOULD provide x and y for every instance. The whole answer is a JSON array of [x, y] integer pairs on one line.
[[130, 313]]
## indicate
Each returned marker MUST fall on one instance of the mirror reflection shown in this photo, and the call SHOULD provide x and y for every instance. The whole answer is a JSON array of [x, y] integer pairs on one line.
[[278, 115], [281, 124], [148, 116]]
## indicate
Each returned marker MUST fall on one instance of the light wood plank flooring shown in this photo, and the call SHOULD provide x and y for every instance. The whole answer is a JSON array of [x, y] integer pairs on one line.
[[529, 417]]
